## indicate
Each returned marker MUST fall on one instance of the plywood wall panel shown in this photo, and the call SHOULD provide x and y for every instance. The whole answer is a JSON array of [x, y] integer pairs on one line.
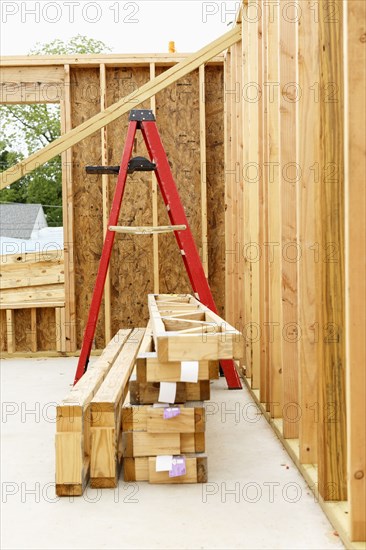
[[177, 110], [132, 258]]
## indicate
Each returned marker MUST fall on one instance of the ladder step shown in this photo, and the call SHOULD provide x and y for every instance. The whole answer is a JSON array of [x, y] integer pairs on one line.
[[146, 230]]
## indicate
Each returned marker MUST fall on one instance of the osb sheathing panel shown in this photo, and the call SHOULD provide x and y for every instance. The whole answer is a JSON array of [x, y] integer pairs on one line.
[[132, 259], [22, 326], [88, 213], [177, 110], [215, 178], [46, 329]]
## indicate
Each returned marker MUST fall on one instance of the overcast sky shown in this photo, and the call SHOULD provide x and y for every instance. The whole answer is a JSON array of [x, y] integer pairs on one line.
[[141, 26]]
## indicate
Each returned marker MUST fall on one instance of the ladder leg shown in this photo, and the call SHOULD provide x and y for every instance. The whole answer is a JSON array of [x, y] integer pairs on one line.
[[186, 243], [106, 255]]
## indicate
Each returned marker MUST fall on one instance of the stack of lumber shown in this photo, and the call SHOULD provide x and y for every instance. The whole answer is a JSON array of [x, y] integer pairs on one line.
[[88, 427], [163, 420], [141, 402]]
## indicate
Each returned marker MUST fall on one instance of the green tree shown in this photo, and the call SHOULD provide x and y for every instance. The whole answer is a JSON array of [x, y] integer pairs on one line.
[[27, 128]]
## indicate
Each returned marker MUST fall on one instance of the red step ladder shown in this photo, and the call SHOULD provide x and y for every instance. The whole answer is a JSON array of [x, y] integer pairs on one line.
[[144, 120]]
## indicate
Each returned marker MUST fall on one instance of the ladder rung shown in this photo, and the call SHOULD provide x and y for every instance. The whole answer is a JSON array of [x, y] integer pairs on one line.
[[146, 230]]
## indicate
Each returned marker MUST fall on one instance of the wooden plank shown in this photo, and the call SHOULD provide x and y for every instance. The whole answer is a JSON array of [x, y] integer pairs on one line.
[[196, 472], [10, 331], [246, 204], [190, 419], [50, 257], [155, 218], [229, 167], [289, 248], [150, 444], [19, 282], [274, 212], [204, 229], [355, 216], [111, 391], [156, 371], [144, 469], [147, 393], [121, 107], [25, 85], [74, 420], [94, 60], [251, 171], [330, 212], [239, 192], [106, 415], [33, 304], [106, 202], [48, 293], [308, 160], [68, 219], [33, 330], [263, 234], [58, 327]]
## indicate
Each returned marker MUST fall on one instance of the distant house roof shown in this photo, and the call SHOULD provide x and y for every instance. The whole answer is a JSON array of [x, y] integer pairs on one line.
[[18, 220]]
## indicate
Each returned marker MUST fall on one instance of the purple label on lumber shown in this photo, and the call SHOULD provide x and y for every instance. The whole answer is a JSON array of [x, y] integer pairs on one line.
[[178, 467], [171, 412]]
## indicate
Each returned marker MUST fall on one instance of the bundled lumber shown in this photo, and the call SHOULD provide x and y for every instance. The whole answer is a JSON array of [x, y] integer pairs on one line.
[[184, 329], [144, 469], [106, 415], [74, 421], [164, 421]]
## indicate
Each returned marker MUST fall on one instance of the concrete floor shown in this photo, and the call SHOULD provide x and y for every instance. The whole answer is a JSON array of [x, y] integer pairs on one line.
[[255, 498]]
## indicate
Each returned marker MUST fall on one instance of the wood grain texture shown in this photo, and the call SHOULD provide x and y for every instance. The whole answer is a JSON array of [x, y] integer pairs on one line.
[[332, 453], [290, 250], [308, 158], [132, 255], [355, 215], [274, 212]]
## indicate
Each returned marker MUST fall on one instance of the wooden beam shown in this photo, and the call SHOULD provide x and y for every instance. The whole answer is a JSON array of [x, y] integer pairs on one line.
[[274, 212], [10, 331], [33, 330], [332, 401], [289, 248], [73, 446], [228, 127], [355, 216], [27, 85], [263, 235], [155, 216], [248, 360], [203, 171], [239, 198], [95, 60], [307, 142], [251, 171], [116, 110], [106, 201], [68, 218], [106, 415]]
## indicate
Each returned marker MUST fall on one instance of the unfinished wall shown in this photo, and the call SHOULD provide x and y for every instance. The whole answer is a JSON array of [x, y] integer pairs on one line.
[[295, 86], [32, 302], [134, 272]]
